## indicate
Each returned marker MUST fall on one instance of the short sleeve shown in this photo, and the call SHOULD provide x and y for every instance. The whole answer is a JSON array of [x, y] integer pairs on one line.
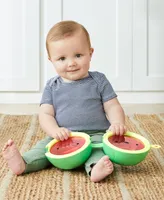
[[106, 89], [47, 94]]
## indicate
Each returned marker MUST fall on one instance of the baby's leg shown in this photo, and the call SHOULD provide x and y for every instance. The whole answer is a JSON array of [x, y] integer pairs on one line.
[[13, 158], [32, 160], [98, 166], [35, 158]]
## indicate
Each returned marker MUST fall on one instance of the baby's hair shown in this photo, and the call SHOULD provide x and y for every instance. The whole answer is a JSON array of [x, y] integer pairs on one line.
[[64, 29]]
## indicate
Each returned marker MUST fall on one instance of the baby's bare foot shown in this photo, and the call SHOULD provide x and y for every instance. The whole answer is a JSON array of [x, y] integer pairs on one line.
[[103, 168], [13, 158]]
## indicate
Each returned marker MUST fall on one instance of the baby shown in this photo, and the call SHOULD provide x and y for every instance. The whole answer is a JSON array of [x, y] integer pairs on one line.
[[75, 100]]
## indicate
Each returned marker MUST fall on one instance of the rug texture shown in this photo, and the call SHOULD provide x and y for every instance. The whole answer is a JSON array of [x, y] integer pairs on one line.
[[139, 182]]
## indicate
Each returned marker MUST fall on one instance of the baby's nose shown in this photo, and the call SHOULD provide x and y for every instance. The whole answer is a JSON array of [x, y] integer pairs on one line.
[[71, 63]]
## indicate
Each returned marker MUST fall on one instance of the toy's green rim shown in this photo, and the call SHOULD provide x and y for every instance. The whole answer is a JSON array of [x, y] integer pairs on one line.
[[80, 134], [131, 134]]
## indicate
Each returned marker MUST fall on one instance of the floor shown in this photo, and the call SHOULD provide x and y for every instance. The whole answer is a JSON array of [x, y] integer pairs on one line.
[[129, 108]]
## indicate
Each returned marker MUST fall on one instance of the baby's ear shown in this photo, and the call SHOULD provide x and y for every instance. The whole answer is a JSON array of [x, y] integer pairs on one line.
[[49, 59], [91, 51]]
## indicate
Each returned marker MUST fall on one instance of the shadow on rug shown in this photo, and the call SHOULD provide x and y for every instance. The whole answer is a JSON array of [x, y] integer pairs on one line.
[[143, 181]]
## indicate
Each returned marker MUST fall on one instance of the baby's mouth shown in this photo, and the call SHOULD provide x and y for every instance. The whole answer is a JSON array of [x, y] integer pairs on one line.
[[73, 70]]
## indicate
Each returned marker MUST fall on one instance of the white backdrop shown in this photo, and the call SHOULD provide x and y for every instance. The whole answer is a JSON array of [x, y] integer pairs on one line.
[[127, 37]]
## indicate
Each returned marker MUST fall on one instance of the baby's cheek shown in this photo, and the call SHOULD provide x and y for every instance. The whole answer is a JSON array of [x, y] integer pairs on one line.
[[85, 65], [61, 67]]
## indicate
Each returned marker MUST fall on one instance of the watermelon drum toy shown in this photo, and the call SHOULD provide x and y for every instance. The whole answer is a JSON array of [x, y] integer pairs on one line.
[[70, 153], [74, 151], [131, 151]]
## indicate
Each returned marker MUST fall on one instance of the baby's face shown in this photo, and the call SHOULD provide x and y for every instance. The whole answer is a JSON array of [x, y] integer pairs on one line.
[[71, 56]]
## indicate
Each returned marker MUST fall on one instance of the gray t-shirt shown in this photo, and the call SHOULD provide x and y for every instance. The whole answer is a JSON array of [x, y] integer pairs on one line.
[[78, 104]]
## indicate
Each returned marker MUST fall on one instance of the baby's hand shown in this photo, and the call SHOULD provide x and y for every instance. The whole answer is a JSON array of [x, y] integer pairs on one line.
[[61, 133], [117, 129]]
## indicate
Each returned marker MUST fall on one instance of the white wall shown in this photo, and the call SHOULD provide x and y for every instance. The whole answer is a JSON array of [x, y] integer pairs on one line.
[[129, 31]]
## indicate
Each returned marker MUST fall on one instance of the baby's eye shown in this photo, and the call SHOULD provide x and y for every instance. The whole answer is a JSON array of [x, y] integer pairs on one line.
[[78, 55], [62, 58]]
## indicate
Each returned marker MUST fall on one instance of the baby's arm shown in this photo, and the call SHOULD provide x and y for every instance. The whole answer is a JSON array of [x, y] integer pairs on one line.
[[49, 124], [116, 116]]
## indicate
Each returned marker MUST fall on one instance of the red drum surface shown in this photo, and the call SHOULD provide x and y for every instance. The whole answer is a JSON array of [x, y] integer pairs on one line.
[[67, 146], [126, 142]]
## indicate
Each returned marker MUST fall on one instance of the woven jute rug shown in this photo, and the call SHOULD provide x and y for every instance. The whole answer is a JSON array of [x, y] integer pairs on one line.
[[142, 181]]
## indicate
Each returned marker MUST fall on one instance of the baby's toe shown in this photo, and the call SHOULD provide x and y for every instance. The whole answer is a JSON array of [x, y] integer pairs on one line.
[[5, 147], [10, 142], [106, 158], [109, 164]]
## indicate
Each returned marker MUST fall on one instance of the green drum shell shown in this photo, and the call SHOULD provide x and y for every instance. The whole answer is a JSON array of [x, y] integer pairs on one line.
[[123, 158], [72, 161]]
